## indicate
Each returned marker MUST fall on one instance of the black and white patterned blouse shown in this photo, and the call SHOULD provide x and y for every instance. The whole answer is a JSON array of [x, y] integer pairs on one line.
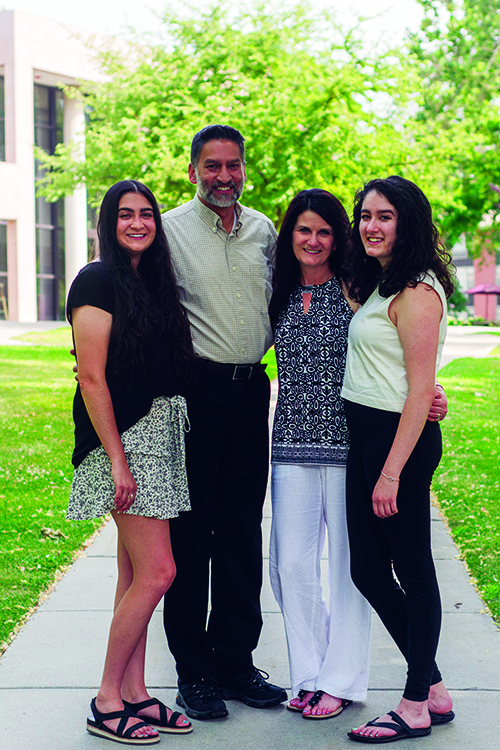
[[309, 422]]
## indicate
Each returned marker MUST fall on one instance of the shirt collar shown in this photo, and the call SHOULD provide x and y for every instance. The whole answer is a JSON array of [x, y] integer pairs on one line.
[[212, 219]]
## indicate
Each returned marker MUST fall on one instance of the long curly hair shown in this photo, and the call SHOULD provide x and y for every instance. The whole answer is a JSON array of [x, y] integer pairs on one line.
[[417, 248], [287, 268], [146, 298]]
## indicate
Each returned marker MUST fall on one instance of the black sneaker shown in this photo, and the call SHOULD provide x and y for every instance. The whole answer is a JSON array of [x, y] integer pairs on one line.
[[201, 699], [251, 688]]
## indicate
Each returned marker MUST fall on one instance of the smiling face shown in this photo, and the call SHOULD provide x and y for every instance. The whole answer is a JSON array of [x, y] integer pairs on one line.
[[219, 174], [312, 243], [135, 226], [378, 227]]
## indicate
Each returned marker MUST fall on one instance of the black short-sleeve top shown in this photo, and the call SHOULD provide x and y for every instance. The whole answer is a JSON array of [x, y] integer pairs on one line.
[[132, 389]]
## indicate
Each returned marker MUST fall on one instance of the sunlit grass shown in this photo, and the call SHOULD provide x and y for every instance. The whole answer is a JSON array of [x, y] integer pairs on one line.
[[467, 481], [36, 540], [270, 360]]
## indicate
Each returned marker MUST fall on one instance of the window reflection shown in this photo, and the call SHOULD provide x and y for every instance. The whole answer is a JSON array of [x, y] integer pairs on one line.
[[49, 111]]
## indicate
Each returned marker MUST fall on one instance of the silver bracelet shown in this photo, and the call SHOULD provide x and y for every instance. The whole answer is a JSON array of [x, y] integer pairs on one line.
[[391, 479]]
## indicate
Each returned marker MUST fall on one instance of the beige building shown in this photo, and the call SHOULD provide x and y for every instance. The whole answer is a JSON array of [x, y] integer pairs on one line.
[[42, 245]]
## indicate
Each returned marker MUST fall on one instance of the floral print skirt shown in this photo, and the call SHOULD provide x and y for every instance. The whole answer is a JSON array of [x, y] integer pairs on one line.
[[155, 452]]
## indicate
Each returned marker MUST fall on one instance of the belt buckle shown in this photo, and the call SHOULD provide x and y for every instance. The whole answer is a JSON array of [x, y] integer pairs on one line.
[[238, 367]]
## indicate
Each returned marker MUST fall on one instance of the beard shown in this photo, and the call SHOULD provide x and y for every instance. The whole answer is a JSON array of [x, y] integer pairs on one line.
[[206, 192]]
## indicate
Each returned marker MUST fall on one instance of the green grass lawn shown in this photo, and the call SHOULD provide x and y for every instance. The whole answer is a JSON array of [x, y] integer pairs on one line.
[[270, 360], [36, 541], [467, 482]]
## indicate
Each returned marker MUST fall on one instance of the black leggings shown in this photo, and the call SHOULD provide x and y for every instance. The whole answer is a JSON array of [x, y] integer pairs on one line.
[[409, 607]]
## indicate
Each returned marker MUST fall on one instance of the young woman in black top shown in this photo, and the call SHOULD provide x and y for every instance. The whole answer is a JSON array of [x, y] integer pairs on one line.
[[134, 351]]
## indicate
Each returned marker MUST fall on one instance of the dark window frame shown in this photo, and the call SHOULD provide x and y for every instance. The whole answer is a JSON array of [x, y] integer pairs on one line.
[[50, 305]]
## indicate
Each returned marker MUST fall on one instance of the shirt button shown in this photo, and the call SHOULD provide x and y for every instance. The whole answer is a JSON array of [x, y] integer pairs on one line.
[[234, 268], [238, 295], [214, 229], [242, 322], [243, 350]]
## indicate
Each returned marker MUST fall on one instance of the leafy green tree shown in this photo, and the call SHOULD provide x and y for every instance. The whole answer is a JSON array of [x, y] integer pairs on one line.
[[456, 55], [298, 88]]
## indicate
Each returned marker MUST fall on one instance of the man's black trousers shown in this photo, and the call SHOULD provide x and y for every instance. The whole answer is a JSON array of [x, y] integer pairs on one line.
[[220, 539]]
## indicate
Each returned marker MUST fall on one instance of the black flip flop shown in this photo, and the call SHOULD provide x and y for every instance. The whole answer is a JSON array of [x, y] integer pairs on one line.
[[399, 725], [437, 719]]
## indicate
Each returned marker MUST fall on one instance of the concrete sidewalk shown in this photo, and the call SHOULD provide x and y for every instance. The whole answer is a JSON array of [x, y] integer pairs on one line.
[[52, 669], [9, 329], [469, 341]]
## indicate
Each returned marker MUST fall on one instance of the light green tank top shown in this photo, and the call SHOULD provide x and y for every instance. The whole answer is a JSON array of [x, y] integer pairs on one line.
[[375, 373]]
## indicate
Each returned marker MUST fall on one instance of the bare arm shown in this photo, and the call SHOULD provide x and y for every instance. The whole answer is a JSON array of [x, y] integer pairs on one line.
[[416, 313], [92, 329]]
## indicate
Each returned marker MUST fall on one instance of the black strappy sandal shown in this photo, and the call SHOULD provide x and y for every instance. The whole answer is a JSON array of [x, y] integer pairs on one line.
[[97, 727], [163, 724]]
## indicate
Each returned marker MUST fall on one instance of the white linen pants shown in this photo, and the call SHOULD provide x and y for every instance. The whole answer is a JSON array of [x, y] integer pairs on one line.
[[328, 648]]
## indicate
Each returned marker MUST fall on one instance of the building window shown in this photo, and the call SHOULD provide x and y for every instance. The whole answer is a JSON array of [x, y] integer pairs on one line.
[[92, 250], [459, 249], [2, 118], [4, 312], [50, 266]]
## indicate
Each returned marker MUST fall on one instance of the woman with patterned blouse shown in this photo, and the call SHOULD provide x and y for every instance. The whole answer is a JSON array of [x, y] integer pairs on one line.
[[328, 647]]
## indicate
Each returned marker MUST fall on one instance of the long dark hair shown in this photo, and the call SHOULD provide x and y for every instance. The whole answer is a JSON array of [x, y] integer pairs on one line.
[[417, 248], [287, 270], [145, 298]]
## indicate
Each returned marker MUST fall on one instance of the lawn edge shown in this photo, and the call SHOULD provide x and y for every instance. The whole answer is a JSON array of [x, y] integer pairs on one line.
[[461, 556], [58, 576]]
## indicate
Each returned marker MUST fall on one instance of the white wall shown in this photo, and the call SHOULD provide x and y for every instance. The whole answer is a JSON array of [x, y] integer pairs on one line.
[[37, 50]]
